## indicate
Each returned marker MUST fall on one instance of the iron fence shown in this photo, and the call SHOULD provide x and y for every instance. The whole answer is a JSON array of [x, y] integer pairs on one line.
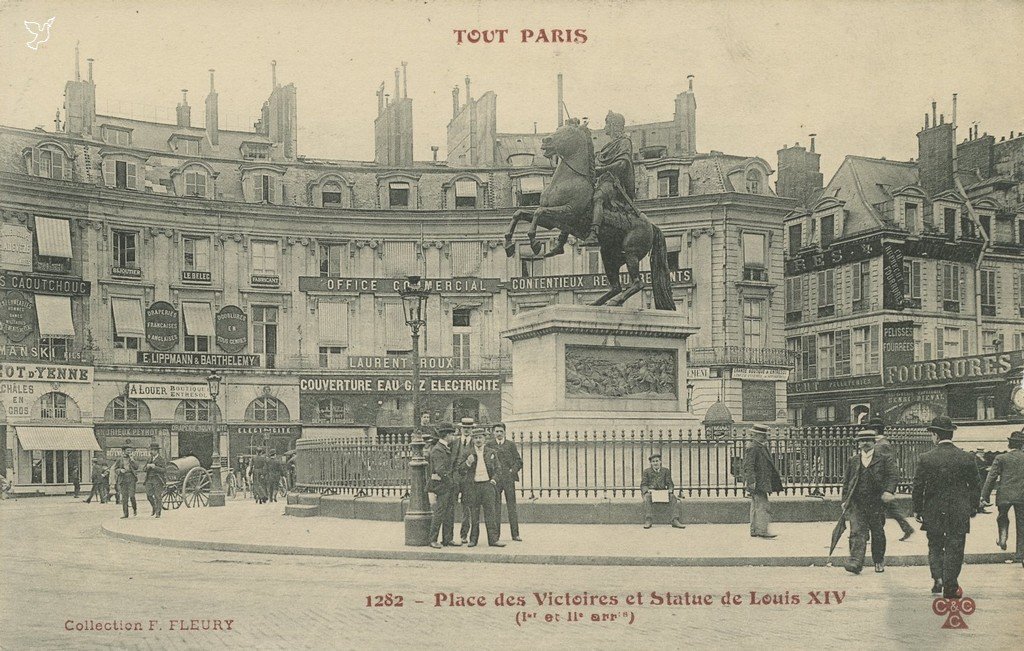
[[609, 464]]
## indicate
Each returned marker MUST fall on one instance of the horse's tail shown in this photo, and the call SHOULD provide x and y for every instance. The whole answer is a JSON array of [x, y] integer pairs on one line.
[[660, 278]]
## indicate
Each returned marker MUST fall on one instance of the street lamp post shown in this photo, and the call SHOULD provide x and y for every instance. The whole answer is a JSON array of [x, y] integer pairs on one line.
[[217, 497], [418, 514]]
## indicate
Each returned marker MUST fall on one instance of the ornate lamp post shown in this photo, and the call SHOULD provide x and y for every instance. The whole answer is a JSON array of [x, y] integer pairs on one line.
[[418, 514], [217, 497]]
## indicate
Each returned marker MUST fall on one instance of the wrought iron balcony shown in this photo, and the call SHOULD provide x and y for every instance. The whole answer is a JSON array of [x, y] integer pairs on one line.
[[739, 355]]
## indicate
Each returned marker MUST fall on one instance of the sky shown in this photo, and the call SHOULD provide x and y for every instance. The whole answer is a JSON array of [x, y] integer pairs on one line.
[[859, 74]]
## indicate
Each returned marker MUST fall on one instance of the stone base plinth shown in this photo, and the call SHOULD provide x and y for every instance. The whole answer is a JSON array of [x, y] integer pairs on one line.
[[581, 367]]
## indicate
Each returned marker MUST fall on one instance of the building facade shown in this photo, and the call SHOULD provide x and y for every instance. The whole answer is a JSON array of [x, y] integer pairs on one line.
[[137, 257], [905, 284]]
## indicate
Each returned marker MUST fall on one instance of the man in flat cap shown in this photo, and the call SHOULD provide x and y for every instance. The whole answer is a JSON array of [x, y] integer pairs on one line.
[[1007, 472], [868, 485], [760, 477], [156, 473], [946, 497], [659, 478]]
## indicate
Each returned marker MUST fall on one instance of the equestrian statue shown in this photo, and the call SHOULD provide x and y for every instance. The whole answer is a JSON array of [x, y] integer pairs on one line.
[[594, 202]]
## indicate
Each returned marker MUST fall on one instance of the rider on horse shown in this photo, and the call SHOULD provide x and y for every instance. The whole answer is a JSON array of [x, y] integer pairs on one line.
[[615, 177]]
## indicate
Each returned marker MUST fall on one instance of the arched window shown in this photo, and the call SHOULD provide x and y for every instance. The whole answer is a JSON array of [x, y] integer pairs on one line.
[[49, 161], [330, 194], [331, 410], [196, 410], [53, 406], [266, 409], [753, 182], [127, 410], [195, 182]]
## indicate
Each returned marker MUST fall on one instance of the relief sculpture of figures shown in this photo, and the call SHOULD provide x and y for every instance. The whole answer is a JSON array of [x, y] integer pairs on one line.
[[602, 215], [613, 373]]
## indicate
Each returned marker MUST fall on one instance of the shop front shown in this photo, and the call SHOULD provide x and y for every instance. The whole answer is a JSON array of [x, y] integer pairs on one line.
[[48, 432], [113, 437], [245, 439]]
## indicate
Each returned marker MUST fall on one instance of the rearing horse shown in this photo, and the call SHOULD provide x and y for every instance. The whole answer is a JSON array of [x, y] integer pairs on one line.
[[626, 236]]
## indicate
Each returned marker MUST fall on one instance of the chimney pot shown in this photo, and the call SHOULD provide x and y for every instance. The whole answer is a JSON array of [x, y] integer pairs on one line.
[[273, 74], [926, 120], [211, 80], [689, 83], [942, 118], [433, 149], [935, 120], [813, 136], [90, 68]]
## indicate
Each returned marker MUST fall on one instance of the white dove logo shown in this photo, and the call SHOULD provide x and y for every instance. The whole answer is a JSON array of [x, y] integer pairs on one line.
[[40, 33]]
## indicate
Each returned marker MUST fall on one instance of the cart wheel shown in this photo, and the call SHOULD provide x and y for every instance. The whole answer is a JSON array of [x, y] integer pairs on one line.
[[172, 497], [282, 489], [196, 487]]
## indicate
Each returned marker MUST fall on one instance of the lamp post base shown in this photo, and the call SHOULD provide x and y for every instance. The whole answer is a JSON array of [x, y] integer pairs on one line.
[[217, 499], [417, 528]]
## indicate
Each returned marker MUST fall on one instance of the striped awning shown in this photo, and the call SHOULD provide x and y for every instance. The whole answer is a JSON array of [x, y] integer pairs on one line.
[[333, 318], [198, 319], [531, 184], [465, 188], [56, 437], [53, 237], [128, 317], [54, 316]]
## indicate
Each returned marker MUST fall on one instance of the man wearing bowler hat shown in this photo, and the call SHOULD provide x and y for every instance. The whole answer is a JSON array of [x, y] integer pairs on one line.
[[125, 472], [1007, 472], [658, 478], [868, 485], [760, 477], [946, 497], [156, 472], [882, 446]]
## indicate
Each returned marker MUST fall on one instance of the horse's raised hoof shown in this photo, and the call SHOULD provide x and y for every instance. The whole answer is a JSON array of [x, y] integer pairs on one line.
[[555, 251], [510, 249], [536, 246]]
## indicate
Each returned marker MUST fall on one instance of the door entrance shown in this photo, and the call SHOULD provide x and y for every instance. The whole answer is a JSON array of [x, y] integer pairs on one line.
[[198, 445]]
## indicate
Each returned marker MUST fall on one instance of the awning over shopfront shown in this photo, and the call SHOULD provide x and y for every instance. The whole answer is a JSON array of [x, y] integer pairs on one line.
[[56, 437], [54, 315], [128, 317], [989, 437], [53, 237], [198, 319]]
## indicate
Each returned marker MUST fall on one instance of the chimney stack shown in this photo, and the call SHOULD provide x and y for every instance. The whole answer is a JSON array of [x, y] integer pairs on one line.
[[954, 110], [935, 117], [469, 96], [561, 100], [273, 75], [942, 118], [926, 120], [405, 79], [813, 136], [433, 149], [90, 69], [689, 83], [212, 121], [78, 76], [184, 111], [397, 86]]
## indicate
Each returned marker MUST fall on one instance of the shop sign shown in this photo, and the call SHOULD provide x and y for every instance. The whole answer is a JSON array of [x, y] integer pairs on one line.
[[162, 325], [585, 282], [148, 391], [941, 248], [399, 385], [834, 256], [15, 247], [16, 309], [232, 329], [898, 343], [835, 384], [265, 280], [950, 371], [126, 272], [205, 360], [51, 265], [758, 400], [264, 430], [192, 428], [395, 285], [45, 373], [698, 372], [899, 399], [399, 362], [40, 284], [25, 353], [196, 277], [892, 277], [766, 374], [18, 398]]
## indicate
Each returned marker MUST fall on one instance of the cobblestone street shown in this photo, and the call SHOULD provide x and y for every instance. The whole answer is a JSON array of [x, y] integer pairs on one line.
[[60, 571]]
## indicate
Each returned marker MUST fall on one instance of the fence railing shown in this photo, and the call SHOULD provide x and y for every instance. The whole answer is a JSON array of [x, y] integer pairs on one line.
[[609, 464]]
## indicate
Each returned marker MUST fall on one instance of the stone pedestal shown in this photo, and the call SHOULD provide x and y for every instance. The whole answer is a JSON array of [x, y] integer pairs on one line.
[[581, 367]]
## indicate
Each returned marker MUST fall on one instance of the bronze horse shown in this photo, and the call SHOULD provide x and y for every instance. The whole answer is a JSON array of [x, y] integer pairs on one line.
[[626, 237]]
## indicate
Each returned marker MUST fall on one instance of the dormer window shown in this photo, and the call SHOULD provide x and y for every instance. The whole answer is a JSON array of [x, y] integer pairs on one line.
[[117, 136], [530, 189], [828, 229], [398, 194], [195, 183], [122, 174], [255, 150], [194, 179], [185, 145], [668, 183], [48, 161], [263, 184], [330, 195], [912, 217], [465, 193]]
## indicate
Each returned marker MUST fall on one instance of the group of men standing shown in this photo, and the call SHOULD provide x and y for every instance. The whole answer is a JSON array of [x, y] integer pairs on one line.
[[947, 493], [468, 467], [267, 470], [126, 471]]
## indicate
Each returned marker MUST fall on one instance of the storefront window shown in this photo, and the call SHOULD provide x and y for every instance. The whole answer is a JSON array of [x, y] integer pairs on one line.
[[125, 409], [54, 406], [196, 410], [55, 466]]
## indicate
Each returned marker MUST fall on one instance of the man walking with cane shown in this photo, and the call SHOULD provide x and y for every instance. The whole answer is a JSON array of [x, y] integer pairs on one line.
[[868, 486]]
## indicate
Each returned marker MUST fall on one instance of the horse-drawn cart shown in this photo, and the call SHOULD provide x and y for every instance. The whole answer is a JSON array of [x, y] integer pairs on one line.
[[187, 483]]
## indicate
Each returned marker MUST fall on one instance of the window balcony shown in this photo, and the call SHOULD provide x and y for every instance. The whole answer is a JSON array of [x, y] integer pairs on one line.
[[739, 355]]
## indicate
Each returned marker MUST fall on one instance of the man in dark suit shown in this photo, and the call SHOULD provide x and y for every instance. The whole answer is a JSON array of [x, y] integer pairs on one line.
[[461, 445], [1007, 472], [259, 476], [511, 463], [882, 446], [275, 471], [946, 497], [442, 485], [125, 472], [760, 477], [100, 481], [156, 473], [868, 485], [659, 478], [482, 473]]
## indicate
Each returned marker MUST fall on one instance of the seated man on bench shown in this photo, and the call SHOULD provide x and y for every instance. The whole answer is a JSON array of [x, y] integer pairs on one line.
[[656, 486]]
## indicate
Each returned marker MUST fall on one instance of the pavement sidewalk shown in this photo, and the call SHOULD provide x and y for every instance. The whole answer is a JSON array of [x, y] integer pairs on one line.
[[243, 526]]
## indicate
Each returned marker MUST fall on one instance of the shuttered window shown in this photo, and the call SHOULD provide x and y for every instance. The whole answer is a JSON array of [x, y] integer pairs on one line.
[[396, 332], [399, 259], [466, 258], [333, 319]]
